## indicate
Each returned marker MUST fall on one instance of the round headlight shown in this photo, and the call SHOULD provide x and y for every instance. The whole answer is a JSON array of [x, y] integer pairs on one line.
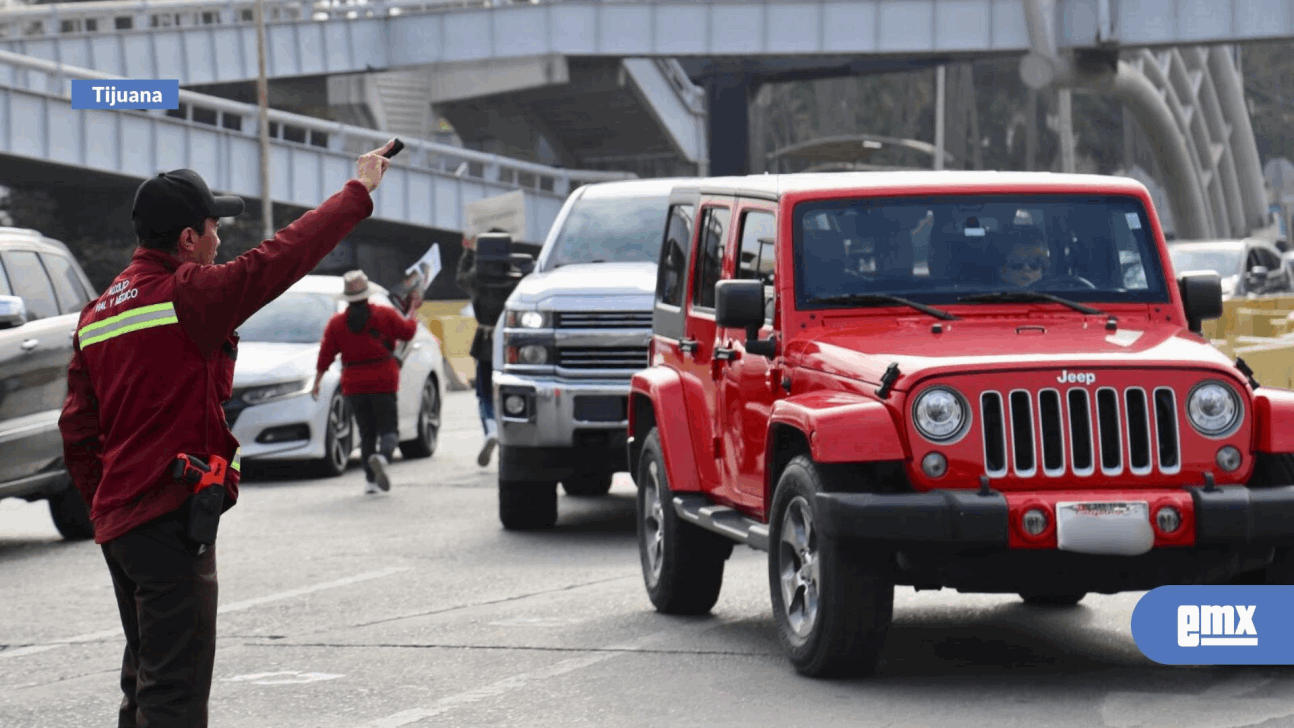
[[531, 320], [939, 414], [514, 404], [1213, 409], [533, 354]]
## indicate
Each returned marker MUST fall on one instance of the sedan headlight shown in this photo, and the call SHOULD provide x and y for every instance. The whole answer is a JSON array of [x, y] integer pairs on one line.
[[940, 414], [261, 395], [514, 319], [1213, 409]]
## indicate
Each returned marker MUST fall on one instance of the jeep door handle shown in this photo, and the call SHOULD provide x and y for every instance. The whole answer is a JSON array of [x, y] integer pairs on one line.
[[721, 354], [30, 344], [688, 346]]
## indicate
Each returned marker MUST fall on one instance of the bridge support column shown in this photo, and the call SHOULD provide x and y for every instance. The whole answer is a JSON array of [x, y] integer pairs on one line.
[[728, 123]]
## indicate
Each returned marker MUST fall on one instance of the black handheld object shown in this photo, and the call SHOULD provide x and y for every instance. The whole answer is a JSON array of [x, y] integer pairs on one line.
[[395, 149], [208, 499]]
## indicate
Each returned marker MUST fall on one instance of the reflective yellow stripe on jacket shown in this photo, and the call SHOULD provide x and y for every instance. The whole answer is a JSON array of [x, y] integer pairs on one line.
[[238, 456], [136, 319]]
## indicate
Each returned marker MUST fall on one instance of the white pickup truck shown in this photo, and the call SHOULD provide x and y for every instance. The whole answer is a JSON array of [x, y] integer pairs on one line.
[[572, 334]]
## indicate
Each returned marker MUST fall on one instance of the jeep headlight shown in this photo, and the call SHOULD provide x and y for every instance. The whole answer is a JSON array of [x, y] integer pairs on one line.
[[1213, 409], [526, 319], [940, 414]]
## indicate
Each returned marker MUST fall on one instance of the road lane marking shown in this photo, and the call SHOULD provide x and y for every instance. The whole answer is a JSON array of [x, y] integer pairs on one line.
[[235, 607], [516, 682], [284, 677]]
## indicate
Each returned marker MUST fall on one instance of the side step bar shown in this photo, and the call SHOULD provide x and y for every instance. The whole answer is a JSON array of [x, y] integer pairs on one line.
[[722, 520]]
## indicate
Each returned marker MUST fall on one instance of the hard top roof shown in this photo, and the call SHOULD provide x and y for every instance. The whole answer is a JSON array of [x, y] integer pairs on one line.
[[32, 238], [654, 186], [776, 185]]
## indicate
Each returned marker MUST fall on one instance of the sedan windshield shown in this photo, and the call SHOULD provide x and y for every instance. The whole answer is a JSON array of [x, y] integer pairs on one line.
[[1224, 262], [293, 318], [948, 249], [618, 230]]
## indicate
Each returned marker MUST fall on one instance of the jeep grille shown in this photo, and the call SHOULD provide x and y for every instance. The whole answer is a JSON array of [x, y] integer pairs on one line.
[[602, 320], [1037, 428]]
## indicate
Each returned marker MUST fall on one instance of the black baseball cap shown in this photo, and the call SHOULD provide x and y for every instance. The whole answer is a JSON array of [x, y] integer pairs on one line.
[[175, 200]]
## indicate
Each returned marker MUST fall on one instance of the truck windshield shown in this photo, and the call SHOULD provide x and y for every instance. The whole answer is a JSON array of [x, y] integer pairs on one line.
[[943, 249], [611, 230]]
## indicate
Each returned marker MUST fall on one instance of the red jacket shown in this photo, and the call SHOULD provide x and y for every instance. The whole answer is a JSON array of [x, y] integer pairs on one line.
[[154, 360], [367, 364]]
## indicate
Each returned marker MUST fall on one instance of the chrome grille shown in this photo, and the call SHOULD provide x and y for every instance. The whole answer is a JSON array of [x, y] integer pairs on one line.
[[1025, 433], [581, 357], [602, 320]]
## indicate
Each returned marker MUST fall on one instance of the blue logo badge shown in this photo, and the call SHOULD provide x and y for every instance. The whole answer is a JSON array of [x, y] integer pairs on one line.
[[1215, 625], [125, 94]]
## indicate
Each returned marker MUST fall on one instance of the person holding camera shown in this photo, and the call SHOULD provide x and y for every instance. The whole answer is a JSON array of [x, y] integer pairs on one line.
[[144, 436], [365, 336], [487, 307]]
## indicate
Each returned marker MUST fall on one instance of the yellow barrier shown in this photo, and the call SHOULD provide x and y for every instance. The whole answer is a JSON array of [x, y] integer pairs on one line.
[[455, 331]]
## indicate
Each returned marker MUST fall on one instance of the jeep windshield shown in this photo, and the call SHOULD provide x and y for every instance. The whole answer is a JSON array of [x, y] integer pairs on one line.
[[948, 249], [611, 230]]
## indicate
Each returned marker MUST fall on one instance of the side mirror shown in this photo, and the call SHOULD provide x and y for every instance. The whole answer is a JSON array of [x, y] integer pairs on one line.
[[13, 312], [1201, 297], [739, 304]]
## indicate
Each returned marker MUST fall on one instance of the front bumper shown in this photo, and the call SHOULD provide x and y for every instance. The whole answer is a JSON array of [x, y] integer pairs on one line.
[[290, 417], [1227, 516], [561, 413]]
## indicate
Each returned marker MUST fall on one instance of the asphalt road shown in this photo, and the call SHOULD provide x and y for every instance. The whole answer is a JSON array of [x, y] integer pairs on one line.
[[414, 608]]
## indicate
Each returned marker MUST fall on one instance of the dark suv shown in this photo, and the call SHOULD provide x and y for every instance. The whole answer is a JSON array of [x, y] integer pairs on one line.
[[42, 292]]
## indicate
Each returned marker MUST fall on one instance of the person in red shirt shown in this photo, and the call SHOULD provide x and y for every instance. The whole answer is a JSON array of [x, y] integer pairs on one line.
[[365, 338], [153, 359]]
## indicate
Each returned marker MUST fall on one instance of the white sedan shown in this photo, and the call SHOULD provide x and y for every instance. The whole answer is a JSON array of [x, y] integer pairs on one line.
[[272, 413]]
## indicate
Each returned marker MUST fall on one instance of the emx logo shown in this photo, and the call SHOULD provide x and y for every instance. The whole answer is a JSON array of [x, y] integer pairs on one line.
[[1172, 624], [1226, 626]]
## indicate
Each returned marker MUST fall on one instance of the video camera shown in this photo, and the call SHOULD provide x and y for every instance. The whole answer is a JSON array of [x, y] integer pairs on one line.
[[496, 265]]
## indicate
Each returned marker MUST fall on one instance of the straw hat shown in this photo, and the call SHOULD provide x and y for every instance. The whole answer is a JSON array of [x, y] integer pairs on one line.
[[355, 286]]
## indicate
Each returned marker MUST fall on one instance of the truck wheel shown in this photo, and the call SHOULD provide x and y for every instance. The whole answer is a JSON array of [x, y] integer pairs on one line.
[[527, 505], [70, 514], [1053, 600], [832, 606], [682, 562], [588, 485]]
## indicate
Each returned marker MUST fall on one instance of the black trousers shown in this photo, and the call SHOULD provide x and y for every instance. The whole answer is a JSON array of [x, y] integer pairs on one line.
[[166, 594], [378, 428]]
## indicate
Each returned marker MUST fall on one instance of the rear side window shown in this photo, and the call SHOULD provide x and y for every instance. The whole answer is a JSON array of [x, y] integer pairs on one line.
[[71, 295], [672, 271], [30, 282], [758, 233], [709, 263]]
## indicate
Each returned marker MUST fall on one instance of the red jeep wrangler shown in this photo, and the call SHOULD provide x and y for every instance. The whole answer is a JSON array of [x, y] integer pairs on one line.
[[939, 380]]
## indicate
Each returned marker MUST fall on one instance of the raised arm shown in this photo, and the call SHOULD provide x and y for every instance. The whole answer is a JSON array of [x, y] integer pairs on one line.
[[213, 300]]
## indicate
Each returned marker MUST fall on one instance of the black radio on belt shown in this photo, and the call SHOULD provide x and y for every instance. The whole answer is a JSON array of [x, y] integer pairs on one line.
[[208, 499]]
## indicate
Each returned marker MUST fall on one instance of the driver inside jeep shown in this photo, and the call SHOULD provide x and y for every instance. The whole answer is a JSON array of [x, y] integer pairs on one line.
[[1025, 256]]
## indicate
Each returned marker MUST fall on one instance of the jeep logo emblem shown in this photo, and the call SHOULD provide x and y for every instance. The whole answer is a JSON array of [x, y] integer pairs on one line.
[[1067, 376]]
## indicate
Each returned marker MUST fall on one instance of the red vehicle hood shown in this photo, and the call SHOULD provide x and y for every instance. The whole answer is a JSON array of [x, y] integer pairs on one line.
[[862, 349]]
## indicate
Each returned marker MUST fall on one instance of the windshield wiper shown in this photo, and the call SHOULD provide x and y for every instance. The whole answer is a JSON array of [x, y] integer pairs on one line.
[[1024, 296], [864, 299]]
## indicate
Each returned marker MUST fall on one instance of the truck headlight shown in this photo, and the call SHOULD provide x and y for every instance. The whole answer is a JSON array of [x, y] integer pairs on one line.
[[526, 319], [1213, 409], [940, 414], [533, 354]]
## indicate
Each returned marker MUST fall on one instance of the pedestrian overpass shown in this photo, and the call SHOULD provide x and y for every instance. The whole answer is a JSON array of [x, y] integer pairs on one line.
[[211, 42]]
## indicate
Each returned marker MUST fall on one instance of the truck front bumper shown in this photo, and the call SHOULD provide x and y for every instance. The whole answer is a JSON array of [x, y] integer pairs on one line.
[[565, 427], [1226, 516]]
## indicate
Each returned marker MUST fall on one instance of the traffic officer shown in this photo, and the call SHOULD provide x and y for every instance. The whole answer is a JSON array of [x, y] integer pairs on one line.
[[365, 337], [153, 361]]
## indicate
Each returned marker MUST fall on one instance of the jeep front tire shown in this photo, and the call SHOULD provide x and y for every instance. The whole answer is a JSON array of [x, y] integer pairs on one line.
[[832, 605], [682, 563]]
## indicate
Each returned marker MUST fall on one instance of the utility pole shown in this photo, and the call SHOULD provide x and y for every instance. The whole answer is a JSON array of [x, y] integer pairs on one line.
[[263, 101], [940, 73], [1066, 132]]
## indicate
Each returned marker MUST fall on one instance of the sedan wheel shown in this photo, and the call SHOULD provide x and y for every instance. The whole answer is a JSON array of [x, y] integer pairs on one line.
[[339, 438], [428, 424]]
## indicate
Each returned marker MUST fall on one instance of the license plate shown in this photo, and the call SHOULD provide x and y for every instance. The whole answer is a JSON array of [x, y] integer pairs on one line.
[[1096, 527]]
